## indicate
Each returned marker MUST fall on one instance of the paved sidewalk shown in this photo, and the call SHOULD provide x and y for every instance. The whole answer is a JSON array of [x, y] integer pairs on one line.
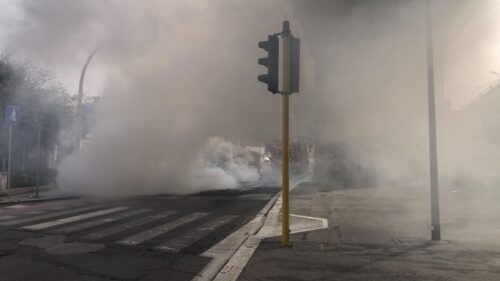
[[383, 234], [47, 192]]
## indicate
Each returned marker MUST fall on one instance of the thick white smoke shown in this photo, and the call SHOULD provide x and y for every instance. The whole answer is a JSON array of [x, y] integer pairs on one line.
[[223, 164], [177, 74]]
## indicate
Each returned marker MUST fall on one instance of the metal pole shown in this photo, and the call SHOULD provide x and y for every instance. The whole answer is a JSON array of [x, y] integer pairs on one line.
[[9, 171], [39, 154], [55, 154], [24, 159], [435, 224], [285, 228], [80, 100]]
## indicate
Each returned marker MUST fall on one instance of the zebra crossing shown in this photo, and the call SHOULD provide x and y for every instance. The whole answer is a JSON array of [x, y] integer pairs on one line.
[[159, 230], [126, 226], [175, 245]]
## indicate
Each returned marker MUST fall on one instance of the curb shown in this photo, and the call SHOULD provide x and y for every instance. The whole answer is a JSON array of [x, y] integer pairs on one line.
[[235, 265], [40, 199], [26, 190], [223, 252]]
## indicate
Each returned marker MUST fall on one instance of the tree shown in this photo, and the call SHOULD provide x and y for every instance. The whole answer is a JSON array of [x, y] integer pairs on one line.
[[42, 99]]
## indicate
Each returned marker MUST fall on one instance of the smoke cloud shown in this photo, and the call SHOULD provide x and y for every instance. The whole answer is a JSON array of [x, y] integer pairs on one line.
[[370, 98], [177, 74]]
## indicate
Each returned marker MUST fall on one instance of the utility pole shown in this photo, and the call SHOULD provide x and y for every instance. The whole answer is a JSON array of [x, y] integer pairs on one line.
[[9, 163], [290, 85], [23, 167], [12, 117], [434, 180], [39, 159]]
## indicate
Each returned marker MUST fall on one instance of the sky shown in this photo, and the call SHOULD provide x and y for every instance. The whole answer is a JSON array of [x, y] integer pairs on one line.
[[13, 21], [465, 75]]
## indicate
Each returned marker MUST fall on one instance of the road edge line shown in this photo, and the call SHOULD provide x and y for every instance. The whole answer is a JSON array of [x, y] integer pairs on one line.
[[221, 258], [238, 261]]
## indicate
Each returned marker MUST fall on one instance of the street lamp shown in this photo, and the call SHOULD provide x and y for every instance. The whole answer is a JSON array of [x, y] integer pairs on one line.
[[433, 162], [79, 104]]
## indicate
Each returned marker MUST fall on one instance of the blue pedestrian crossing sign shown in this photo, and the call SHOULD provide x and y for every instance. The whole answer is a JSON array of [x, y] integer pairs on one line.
[[12, 114]]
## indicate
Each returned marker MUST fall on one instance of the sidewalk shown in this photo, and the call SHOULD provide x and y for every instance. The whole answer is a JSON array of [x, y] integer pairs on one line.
[[383, 234], [27, 194]]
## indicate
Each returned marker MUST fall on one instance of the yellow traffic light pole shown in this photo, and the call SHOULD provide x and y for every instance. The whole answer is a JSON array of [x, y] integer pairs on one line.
[[285, 228], [291, 55]]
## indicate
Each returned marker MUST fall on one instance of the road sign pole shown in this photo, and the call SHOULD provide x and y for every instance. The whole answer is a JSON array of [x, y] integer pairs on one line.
[[39, 159], [9, 170], [285, 228], [435, 224]]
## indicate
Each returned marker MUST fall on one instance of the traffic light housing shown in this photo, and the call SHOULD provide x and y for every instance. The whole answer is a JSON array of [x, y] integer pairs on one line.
[[271, 62], [294, 64]]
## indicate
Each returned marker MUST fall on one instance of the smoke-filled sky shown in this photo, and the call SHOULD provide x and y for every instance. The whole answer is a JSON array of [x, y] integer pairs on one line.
[[176, 74], [60, 34]]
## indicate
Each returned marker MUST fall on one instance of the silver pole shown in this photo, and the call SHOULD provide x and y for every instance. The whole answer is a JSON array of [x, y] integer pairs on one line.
[[55, 155], [9, 171], [39, 154], [24, 159], [435, 224]]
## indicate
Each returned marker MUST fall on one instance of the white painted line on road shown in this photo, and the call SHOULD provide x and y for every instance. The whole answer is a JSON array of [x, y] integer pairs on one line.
[[179, 243], [101, 221], [74, 218], [225, 249], [258, 196], [297, 182], [7, 217], [16, 206], [159, 230], [35, 212], [59, 207], [323, 224], [233, 268], [49, 215], [128, 225]]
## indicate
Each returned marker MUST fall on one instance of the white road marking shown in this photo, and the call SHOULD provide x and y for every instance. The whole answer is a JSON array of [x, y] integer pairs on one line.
[[235, 265], [101, 221], [58, 207], [35, 212], [221, 252], [74, 218], [159, 230], [16, 206], [258, 196], [179, 243], [131, 224], [7, 217], [49, 215]]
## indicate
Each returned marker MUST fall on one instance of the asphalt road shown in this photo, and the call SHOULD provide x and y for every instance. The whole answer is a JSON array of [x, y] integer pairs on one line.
[[142, 238]]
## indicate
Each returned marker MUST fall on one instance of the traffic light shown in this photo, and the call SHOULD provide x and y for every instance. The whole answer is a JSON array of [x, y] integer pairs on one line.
[[271, 62], [294, 64]]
